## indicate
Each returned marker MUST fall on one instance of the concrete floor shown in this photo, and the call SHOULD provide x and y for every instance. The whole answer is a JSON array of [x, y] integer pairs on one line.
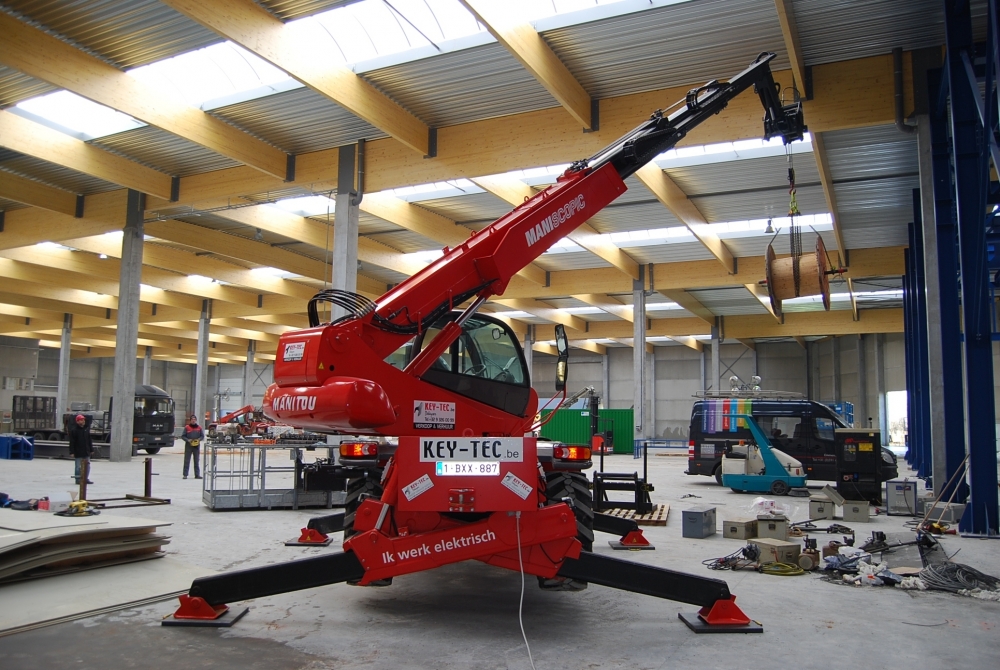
[[465, 615]]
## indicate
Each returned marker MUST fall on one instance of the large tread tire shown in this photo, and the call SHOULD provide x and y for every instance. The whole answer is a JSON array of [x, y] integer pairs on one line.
[[369, 484], [717, 473], [573, 485], [152, 450], [576, 487]]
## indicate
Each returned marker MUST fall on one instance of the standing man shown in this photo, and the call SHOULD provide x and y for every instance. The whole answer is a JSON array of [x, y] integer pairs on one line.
[[193, 435], [81, 446]]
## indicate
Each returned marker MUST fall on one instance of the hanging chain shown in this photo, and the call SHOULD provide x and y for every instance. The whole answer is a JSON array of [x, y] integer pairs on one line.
[[794, 230]]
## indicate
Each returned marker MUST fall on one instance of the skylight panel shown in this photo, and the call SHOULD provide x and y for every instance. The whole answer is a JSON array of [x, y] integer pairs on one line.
[[308, 205], [373, 28], [75, 115], [219, 71]]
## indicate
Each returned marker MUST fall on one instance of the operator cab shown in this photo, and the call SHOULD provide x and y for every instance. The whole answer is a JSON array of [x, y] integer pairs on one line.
[[486, 363]]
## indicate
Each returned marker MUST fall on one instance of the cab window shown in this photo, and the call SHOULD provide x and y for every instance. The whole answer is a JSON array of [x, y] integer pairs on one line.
[[824, 428]]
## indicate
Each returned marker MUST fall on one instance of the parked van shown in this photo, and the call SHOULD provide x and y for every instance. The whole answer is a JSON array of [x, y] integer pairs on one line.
[[803, 429]]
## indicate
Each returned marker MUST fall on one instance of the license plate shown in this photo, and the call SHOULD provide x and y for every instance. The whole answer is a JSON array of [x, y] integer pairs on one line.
[[468, 468]]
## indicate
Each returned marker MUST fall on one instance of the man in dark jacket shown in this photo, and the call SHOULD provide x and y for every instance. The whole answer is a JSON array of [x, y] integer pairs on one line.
[[81, 446], [192, 436]]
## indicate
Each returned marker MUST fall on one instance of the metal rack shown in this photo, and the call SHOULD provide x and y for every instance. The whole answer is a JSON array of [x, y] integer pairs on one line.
[[254, 476]]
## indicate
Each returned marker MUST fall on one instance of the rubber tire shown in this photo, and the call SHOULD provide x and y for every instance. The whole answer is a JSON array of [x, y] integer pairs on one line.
[[717, 473], [573, 485], [576, 486], [152, 450], [370, 484], [39, 437], [779, 487], [54, 437]]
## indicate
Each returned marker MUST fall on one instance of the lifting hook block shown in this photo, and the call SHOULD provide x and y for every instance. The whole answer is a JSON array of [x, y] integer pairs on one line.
[[198, 608]]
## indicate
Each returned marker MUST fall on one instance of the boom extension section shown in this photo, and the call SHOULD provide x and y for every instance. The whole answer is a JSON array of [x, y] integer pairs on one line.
[[336, 376]]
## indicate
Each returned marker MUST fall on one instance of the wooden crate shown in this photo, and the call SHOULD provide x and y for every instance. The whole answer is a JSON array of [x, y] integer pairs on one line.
[[658, 517]]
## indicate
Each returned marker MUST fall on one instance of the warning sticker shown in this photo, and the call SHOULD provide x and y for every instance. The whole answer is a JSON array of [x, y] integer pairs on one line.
[[519, 488], [422, 485], [433, 415], [865, 446], [294, 351]]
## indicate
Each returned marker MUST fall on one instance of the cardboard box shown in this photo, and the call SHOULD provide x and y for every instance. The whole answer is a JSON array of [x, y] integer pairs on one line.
[[774, 526], [698, 522], [821, 507], [856, 511], [777, 551], [740, 529]]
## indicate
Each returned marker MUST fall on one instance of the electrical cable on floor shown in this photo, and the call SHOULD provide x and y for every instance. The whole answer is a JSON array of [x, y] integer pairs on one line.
[[781, 569], [520, 607], [957, 577]]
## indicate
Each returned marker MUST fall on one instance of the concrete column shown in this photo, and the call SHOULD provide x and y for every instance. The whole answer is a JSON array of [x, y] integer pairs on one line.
[[932, 288], [127, 336], [529, 353], [345, 228], [883, 420], [704, 383], [100, 383], [606, 380], [201, 369], [147, 365], [639, 355], [861, 409], [809, 369], [716, 365], [62, 390], [836, 369], [248, 373], [651, 393]]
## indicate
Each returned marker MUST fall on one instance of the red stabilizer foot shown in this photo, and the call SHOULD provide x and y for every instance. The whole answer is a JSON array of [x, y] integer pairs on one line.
[[198, 608], [312, 536], [635, 538], [724, 613]]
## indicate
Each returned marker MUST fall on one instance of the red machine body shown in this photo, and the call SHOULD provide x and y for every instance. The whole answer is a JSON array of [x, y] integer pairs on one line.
[[336, 376], [464, 482]]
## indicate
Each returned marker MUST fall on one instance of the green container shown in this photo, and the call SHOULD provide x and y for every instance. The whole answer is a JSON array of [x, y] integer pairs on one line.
[[572, 426]]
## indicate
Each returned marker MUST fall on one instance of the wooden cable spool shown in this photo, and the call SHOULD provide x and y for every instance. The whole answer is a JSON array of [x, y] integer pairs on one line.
[[813, 277]]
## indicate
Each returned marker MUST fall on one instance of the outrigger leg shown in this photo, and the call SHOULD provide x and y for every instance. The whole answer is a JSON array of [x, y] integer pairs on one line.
[[718, 613], [205, 602]]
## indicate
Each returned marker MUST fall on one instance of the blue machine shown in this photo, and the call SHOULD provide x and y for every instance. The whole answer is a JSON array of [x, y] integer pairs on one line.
[[761, 468]]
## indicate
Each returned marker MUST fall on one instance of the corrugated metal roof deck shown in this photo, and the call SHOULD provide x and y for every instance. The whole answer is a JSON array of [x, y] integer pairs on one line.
[[50, 173], [709, 39], [125, 33], [15, 87], [164, 151]]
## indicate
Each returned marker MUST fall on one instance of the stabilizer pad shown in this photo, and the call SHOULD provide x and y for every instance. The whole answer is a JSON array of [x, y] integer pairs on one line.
[[296, 542], [695, 623], [618, 544], [224, 621]]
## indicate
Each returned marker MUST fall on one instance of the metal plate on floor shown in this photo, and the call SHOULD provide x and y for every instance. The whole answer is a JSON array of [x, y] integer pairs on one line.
[[695, 623], [224, 621]]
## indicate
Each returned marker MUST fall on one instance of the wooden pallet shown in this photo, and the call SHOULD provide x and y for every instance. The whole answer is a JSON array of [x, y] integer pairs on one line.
[[658, 517]]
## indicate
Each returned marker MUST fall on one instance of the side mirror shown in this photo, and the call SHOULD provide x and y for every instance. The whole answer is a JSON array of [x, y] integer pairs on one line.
[[562, 362]]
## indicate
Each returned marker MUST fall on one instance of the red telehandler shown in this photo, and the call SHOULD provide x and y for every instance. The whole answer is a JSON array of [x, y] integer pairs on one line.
[[464, 482]]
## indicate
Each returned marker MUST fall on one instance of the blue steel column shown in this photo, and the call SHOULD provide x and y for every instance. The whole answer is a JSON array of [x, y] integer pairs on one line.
[[947, 256], [921, 357], [970, 161], [911, 452]]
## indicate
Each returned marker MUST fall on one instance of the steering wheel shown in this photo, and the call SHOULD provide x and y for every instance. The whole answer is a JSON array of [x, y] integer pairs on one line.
[[476, 370]]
